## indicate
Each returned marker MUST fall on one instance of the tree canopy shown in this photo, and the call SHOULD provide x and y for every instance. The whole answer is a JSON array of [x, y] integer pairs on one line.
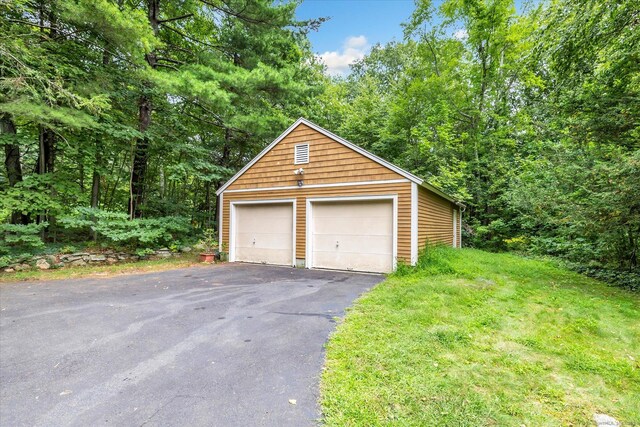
[[531, 117]]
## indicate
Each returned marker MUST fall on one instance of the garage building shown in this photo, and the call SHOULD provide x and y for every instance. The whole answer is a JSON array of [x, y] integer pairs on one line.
[[312, 199]]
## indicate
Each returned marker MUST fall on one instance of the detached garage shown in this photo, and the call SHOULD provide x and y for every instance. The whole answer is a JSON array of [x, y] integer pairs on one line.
[[312, 199]]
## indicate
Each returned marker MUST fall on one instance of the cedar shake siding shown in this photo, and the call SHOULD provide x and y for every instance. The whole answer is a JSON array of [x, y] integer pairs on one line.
[[435, 219], [332, 169]]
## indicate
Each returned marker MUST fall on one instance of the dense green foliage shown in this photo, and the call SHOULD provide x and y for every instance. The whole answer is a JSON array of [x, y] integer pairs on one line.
[[531, 117], [470, 338], [118, 229], [141, 109]]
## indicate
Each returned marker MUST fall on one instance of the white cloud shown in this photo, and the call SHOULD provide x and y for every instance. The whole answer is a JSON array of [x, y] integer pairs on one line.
[[353, 49], [461, 34]]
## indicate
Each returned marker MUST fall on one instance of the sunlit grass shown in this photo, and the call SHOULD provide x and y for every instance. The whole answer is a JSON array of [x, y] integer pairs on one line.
[[473, 338]]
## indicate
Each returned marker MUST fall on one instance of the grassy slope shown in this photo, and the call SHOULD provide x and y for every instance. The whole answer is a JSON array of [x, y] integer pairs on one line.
[[102, 270], [485, 339]]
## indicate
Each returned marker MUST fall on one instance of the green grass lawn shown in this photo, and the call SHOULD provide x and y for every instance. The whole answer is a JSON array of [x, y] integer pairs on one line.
[[473, 338]]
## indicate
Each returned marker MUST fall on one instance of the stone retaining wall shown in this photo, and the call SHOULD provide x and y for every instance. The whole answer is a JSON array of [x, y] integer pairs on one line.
[[45, 262]]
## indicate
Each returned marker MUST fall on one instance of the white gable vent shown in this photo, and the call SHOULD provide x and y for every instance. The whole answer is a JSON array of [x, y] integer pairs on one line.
[[301, 154]]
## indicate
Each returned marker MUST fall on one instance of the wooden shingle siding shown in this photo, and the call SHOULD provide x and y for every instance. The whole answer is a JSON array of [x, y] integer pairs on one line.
[[435, 219], [329, 162], [402, 190]]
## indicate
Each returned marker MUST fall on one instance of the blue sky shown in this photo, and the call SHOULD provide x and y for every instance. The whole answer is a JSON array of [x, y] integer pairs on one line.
[[354, 27], [357, 25]]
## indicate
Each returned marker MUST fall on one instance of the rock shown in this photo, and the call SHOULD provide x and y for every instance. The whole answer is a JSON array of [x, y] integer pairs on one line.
[[112, 260], [71, 257], [123, 256], [185, 249], [22, 267], [604, 420], [97, 258], [42, 264], [163, 254], [78, 262], [9, 270]]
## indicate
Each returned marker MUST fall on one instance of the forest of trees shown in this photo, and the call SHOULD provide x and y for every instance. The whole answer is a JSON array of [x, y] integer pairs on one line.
[[127, 116]]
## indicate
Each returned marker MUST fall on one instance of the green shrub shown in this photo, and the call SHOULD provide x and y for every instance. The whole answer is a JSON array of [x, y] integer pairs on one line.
[[117, 229], [208, 242], [144, 252], [16, 237], [434, 259]]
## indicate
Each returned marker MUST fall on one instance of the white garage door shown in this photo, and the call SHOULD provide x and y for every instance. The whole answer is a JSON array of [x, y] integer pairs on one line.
[[353, 235], [264, 233]]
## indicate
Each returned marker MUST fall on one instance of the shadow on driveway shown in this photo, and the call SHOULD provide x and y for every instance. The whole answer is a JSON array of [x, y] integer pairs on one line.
[[219, 346]]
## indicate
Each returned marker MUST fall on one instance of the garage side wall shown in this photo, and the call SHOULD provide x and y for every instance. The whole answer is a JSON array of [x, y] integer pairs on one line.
[[435, 219], [401, 189]]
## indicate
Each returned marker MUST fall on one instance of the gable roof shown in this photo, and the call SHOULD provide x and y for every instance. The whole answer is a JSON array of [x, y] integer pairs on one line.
[[411, 177]]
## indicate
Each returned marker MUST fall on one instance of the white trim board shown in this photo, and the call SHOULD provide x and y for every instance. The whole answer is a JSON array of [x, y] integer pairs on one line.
[[220, 222], [232, 223], [455, 227], [338, 184], [309, 219], [414, 223]]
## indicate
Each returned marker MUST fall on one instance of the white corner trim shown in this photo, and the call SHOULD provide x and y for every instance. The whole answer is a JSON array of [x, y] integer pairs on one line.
[[414, 223], [338, 184], [309, 219], [233, 224], [328, 134], [455, 227], [460, 228], [307, 243], [220, 222]]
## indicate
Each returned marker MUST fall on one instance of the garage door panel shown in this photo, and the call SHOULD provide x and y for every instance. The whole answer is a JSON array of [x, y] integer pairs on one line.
[[264, 240], [353, 235], [353, 261], [261, 255], [354, 243], [264, 233], [347, 225]]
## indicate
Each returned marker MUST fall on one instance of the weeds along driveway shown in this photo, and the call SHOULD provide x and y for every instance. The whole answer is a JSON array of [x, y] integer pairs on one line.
[[225, 345]]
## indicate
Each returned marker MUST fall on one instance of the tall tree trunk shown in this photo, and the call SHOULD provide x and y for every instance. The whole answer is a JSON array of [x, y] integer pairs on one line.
[[46, 164], [224, 161], [47, 152], [145, 108], [207, 204], [12, 161], [140, 159], [95, 181], [95, 184]]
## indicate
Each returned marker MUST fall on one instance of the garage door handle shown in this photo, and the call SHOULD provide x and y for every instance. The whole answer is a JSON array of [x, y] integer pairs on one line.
[[337, 243], [254, 241]]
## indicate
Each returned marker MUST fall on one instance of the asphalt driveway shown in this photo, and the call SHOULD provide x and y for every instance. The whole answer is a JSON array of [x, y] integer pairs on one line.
[[226, 345]]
